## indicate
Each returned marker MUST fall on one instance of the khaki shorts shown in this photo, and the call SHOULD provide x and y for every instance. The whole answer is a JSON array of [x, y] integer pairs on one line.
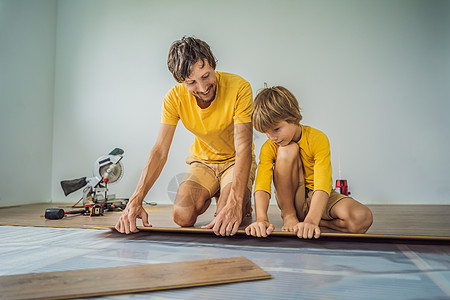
[[302, 205], [214, 177], [303, 198]]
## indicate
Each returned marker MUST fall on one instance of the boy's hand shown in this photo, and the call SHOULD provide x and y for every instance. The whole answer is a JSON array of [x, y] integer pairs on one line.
[[259, 229], [307, 230]]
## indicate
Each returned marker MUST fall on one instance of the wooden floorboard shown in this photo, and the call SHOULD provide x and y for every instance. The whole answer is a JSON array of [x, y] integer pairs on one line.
[[332, 235], [133, 279], [402, 220]]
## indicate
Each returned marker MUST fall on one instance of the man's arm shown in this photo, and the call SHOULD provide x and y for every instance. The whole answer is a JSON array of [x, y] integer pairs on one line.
[[152, 170], [243, 138], [230, 217]]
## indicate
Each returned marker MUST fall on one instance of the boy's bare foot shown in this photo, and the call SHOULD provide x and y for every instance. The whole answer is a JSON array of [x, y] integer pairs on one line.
[[289, 222]]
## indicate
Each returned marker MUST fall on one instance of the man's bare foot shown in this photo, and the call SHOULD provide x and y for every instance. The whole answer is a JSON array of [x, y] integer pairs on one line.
[[289, 222]]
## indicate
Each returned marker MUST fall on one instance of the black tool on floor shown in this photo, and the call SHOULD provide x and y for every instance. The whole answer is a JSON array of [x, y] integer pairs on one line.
[[58, 213]]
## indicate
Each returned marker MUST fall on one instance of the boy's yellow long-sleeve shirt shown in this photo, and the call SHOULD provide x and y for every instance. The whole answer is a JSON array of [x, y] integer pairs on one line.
[[316, 159]]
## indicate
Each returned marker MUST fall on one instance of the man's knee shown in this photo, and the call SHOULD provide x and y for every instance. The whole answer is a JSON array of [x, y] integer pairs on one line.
[[189, 193], [360, 220], [184, 216], [191, 200]]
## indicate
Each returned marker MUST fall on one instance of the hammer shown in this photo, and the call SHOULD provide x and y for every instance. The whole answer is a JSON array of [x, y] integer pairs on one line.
[[58, 213]]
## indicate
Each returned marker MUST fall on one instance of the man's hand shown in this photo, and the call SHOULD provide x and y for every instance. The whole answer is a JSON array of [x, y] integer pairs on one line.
[[307, 230], [259, 229], [227, 221], [127, 222]]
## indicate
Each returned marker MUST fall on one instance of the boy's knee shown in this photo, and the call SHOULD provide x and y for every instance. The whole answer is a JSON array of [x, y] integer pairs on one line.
[[289, 152], [360, 220], [184, 216]]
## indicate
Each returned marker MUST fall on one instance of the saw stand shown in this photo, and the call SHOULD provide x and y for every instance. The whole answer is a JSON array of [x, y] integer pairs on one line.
[[97, 194]]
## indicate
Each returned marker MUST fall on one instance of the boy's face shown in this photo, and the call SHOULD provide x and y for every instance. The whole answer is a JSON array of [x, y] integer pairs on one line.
[[284, 133], [202, 82]]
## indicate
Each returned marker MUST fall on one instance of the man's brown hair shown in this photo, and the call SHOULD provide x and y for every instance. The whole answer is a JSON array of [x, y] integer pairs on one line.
[[273, 105], [185, 53]]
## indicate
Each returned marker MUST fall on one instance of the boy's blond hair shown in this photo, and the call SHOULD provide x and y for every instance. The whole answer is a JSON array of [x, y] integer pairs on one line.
[[273, 105]]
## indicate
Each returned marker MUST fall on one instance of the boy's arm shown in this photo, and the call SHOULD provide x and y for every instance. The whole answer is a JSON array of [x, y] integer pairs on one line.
[[261, 227], [262, 199], [322, 185], [309, 228], [318, 204]]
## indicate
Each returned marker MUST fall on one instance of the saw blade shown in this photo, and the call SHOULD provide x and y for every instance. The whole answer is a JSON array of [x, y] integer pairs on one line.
[[112, 171]]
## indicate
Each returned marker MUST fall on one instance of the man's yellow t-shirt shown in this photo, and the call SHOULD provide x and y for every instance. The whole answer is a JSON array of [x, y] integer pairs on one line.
[[316, 159], [213, 126]]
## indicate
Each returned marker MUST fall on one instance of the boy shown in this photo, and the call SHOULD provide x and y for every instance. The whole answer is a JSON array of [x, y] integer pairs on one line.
[[298, 158]]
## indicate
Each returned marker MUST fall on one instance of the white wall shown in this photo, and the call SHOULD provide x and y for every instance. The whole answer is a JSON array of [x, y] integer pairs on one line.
[[370, 74], [27, 56], [373, 75]]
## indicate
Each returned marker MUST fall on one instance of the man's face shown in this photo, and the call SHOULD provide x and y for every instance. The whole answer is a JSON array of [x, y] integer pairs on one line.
[[202, 82], [284, 133]]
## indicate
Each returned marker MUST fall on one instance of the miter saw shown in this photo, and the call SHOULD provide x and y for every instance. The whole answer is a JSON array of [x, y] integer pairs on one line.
[[107, 169]]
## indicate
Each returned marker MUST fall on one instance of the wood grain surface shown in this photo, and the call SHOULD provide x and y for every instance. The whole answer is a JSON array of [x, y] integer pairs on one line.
[[389, 220], [129, 279], [336, 235]]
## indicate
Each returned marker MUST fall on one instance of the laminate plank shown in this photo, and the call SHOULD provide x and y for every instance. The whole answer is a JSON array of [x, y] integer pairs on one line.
[[129, 279], [335, 235], [389, 220]]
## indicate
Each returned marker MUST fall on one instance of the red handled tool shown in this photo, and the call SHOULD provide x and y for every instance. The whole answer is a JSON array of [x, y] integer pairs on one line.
[[341, 184]]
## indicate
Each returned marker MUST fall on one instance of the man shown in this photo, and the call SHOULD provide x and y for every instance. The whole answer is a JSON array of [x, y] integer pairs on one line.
[[216, 107]]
